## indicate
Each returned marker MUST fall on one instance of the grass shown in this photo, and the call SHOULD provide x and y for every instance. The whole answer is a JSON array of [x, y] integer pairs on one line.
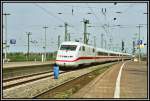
[[64, 94], [18, 57]]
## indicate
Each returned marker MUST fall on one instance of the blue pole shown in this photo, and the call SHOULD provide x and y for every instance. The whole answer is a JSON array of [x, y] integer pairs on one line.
[[56, 71]]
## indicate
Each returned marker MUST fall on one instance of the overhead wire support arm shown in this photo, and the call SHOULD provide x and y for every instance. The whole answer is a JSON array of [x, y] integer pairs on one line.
[[97, 18]]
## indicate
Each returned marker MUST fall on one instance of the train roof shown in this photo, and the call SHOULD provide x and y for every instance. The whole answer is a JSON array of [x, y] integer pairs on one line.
[[70, 43], [97, 49]]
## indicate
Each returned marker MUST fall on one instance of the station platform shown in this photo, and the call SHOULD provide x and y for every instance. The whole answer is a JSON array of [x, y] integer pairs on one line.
[[132, 84], [24, 64]]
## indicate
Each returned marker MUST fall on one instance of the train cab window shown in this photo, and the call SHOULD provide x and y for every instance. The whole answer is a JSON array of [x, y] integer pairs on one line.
[[83, 48], [68, 47]]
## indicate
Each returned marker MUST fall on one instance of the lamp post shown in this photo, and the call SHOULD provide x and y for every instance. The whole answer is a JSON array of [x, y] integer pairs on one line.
[[139, 26], [45, 27], [28, 53], [85, 31], [67, 35], [5, 14]]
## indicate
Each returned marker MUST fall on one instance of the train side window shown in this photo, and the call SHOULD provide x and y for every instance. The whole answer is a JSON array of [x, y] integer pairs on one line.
[[93, 50], [105, 54], [83, 48], [80, 49], [113, 54], [100, 53]]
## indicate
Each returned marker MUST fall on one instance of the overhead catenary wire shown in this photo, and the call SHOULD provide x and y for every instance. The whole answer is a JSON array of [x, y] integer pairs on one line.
[[48, 12], [97, 14], [106, 31], [102, 25], [51, 14], [112, 6]]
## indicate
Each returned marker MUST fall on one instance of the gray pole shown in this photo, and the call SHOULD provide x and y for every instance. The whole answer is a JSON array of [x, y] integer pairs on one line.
[[58, 41], [66, 31], [6, 35], [85, 31], [45, 43], [94, 41], [102, 40], [68, 36], [105, 43], [29, 33], [139, 45]]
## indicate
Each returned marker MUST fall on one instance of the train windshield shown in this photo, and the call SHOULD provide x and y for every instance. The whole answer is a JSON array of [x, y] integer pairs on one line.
[[68, 47]]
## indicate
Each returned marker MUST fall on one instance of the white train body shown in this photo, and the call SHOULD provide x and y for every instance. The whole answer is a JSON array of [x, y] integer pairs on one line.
[[73, 54]]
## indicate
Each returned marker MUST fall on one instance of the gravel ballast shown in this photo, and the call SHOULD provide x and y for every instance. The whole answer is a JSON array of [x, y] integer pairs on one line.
[[32, 89]]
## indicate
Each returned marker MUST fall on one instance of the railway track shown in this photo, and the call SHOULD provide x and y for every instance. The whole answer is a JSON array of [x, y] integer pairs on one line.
[[42, 85], [15, 72], [12, 82], [20, 77], [81, 80]]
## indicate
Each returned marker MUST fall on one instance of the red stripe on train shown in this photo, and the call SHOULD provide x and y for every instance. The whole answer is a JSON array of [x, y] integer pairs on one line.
[[82, 58]]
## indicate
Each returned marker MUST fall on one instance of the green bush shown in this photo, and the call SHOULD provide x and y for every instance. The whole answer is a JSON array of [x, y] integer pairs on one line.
[[16, 57]]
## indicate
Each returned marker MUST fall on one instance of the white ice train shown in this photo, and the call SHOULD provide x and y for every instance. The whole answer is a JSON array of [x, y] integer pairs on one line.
[[73, 54]]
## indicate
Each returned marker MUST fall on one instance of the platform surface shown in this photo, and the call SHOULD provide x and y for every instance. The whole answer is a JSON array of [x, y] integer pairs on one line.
[[21, 64], [133, 82]]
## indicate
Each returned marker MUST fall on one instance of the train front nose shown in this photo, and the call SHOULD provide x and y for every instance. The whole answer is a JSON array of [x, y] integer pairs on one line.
[[66, 60], [66, 57], [65, 64]]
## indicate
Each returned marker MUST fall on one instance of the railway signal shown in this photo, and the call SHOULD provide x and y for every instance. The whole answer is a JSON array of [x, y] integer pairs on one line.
[[133, 52], [122, 46]]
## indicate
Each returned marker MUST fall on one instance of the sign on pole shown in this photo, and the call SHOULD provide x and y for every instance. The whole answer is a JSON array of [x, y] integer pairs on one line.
[[12, 41], [142, 46], [139, 42]]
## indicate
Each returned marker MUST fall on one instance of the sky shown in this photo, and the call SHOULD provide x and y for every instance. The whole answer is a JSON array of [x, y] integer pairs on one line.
[[32, 17]]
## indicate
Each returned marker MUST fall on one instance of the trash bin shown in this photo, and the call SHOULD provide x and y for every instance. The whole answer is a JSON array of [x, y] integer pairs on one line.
[[56, 71]]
